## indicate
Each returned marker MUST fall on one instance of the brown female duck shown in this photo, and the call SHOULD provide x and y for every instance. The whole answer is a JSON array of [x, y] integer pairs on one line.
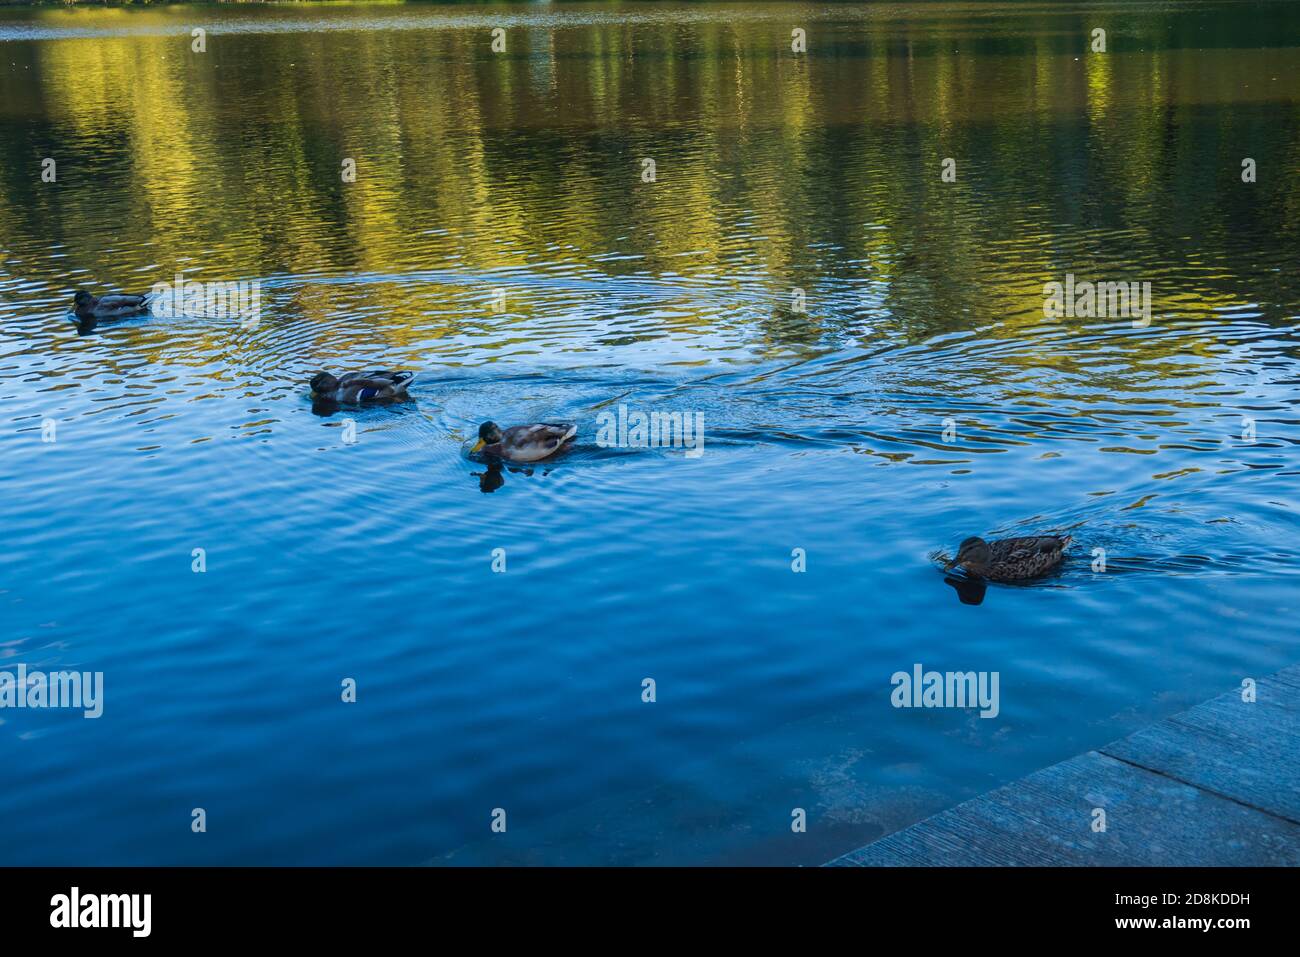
[[1011, 559]]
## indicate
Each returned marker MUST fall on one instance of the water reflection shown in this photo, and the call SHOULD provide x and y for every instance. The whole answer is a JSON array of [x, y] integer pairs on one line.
[[970, 591], [326, 407], [516, 170], [491, 479]]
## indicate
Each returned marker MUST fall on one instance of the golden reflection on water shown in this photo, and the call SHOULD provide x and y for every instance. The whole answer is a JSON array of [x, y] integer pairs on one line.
[[774, 171]]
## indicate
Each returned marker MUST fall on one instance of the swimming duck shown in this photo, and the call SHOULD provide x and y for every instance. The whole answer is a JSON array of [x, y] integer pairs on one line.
[[87, 307], [523, 443], [1011, 559], [355, 387]]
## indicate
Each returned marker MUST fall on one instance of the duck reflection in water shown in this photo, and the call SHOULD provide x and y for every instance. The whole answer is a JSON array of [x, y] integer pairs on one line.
[[492, 479], [494, 474], [970, 591], [324, 406], [89, 324]]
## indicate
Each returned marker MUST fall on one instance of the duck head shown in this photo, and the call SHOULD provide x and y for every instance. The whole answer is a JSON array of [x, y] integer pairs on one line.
[[973, 555], [83, 299], [322, 383], [489, 433]]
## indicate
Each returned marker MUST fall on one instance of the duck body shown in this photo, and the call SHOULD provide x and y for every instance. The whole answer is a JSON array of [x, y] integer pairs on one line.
[[524, 443], [1011, 559], [354, 388], [89, 308]]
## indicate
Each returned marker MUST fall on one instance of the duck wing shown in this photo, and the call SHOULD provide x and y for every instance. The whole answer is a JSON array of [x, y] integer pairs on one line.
[[398, 380], [543, 430], [123, 303], [1012, 549], [1026, 557], [378, 379], [554, 433], [380, 384], [528, 443]]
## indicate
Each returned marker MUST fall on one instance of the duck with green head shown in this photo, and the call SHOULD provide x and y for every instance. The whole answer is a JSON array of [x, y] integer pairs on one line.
[[523, 443], [354, 388], [87, 307]]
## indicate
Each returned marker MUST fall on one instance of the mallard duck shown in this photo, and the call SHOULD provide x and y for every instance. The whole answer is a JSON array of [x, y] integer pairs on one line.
[[1011, 559], [355, 387], [523, 443], [87, 307]]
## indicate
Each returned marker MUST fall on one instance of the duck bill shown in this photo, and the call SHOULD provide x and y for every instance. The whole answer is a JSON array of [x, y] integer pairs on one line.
[[477, 445]]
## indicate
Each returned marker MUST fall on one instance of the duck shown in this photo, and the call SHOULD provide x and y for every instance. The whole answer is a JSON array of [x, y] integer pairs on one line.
[[353, 388], [1011, 559], [523, 443], [90, 308]]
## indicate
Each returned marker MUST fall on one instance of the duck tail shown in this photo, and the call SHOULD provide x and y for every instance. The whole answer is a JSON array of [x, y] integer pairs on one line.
[[402, 380]]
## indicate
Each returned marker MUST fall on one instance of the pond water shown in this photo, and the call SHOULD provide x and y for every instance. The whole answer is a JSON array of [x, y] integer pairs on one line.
[[864, 342]]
